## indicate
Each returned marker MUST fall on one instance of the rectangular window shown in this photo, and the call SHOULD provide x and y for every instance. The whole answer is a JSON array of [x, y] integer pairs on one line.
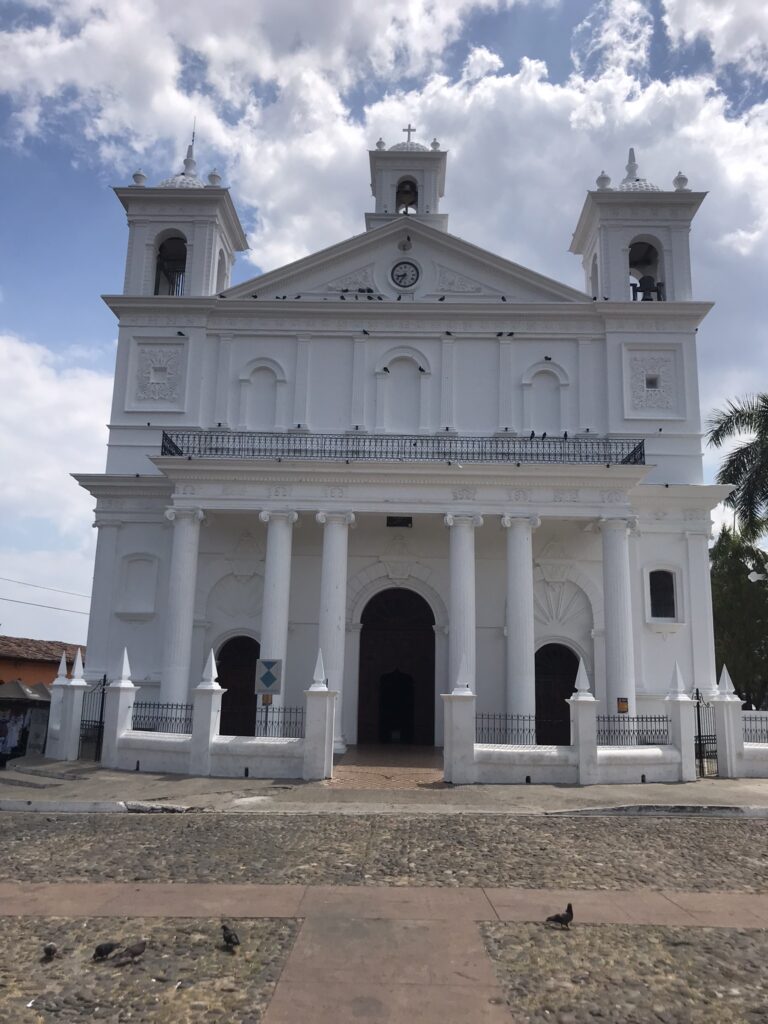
[[662, 586]]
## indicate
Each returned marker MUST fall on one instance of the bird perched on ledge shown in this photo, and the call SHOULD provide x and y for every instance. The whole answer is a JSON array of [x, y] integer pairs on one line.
[[563, 919]]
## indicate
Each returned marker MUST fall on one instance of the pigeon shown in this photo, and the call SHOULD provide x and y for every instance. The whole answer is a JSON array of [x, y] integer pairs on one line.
[[565, 435], [130, 953], [449, 333], [563, 919], [50, 950], [230, 938], [544, 435], [500, 334], [365, 332], [441, 299], [533, 435], [503, 298], [105, 949], [343, 298], [398, 298], [297, 296], [386, 369]]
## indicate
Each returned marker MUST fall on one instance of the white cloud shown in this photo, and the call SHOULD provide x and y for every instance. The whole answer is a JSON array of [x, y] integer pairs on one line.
[[736, 30]]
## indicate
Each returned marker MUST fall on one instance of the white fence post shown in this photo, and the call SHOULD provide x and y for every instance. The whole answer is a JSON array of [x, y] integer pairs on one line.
[[459, 741], [118, 711], [680, 711], [206, 716], [728, 727], [318, 726], [584, 728], [54, 712], [71, 713]]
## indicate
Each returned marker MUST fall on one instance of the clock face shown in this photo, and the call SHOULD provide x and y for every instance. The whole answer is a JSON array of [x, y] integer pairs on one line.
[[405, 274]]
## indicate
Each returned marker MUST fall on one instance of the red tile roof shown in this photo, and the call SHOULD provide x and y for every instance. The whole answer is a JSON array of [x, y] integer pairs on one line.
[[23, 649]]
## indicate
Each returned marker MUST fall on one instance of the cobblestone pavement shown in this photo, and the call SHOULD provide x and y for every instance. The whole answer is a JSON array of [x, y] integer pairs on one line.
[[444, 850], [618, 974], [184, 975]]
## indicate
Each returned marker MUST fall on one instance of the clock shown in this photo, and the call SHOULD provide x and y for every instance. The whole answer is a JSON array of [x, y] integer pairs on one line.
[[405, 274]]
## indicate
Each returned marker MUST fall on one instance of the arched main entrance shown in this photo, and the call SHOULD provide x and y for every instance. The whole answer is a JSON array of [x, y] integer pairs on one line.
[[236, 664], [556, 668], [396, 702]]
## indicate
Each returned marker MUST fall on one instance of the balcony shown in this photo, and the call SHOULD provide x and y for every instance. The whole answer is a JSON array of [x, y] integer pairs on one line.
[[265, 446]]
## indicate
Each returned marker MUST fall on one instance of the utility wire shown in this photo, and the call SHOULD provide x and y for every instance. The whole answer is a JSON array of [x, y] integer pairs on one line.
[[35, 604], [38, 586]]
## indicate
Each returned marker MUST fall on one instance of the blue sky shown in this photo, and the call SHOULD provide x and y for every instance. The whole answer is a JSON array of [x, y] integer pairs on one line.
[[532, 99]]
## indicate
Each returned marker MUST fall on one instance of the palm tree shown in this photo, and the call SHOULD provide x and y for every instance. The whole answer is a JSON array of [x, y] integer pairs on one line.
[[746, 465]]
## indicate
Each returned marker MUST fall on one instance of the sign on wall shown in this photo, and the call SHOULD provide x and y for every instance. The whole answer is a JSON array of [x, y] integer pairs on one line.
[[269, 675]]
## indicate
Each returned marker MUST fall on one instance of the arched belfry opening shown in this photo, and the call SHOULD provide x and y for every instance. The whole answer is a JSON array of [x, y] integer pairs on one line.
[[236, 665], [396, 701], [171, 265], [407, 196], [645, 272]]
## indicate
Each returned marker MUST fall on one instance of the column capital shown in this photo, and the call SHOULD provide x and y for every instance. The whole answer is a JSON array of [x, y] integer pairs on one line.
[[628, 523], [507, 521], [457, 520], [289, 516], [194, 514], [348, 518]]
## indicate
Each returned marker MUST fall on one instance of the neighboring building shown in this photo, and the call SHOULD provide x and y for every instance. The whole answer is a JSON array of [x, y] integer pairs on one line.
[[429, 461], [33, 661]]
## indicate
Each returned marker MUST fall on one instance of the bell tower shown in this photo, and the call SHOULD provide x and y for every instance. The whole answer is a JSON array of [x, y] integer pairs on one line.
[[182, 234], [634, 239], [407, 180]]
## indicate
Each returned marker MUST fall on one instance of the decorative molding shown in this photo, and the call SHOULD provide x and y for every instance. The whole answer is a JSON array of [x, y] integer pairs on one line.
[[660, 365], [159, 372], [361, 278], [451, 281]]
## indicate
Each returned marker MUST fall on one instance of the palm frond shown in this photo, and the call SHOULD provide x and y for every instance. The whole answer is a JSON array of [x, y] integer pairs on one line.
[[744, 415]]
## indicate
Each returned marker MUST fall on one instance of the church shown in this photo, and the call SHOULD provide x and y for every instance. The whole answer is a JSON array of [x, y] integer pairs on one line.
[[429, 462]]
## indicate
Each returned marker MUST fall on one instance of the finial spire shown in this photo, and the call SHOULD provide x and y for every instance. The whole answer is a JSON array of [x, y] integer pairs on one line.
[[190, 164], [631, 167]]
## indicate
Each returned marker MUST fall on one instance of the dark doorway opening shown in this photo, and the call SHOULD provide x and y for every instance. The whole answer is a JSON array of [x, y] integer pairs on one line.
[[396, 702], [556, 669], [236, 663]]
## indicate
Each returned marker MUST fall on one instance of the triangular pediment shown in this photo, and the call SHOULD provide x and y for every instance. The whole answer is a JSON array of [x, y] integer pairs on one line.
[[439, 267]]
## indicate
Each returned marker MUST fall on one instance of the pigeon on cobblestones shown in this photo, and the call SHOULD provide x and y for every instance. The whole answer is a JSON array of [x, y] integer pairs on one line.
[[50, 950], [130, 953], [230, 938], [563, 919], [105, 949]]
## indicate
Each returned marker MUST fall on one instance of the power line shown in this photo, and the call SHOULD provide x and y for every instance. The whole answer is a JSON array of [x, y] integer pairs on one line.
[[34, 604], [38, 586]]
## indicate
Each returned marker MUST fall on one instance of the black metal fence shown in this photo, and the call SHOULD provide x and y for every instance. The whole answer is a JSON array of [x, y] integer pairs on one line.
[[632, 730], [280, 723], [705, 742], [151, 717], [92, 722], [755, 729], [520, 730], [353, 447]]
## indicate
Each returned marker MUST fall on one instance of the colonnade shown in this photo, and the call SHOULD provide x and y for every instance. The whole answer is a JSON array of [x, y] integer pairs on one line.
[[519, 617]]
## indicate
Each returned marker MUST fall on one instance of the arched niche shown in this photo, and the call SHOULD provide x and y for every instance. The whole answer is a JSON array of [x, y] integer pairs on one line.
[[138, 586], [262, 397], [545, 398], [170, 249], [402, 391]]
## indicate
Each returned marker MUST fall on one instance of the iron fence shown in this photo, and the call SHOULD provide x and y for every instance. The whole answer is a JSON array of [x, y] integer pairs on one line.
[[520, 730], [755, 729], [632, 730], [280, 723], [705, 739], [151, 717], [92, 722], [353, 447]]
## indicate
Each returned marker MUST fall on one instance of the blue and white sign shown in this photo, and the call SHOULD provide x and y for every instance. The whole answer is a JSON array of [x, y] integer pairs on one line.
[[269, 675]]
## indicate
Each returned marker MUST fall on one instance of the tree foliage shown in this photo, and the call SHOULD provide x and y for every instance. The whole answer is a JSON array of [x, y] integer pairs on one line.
[[746, 465], [741, 614]]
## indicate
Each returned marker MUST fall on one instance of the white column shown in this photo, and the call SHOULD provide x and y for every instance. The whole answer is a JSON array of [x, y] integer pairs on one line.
[[104, 570], [462, 626], [619, 642], [177, 648], [333, 607], [702, 629], [277, 588], [521, 671]]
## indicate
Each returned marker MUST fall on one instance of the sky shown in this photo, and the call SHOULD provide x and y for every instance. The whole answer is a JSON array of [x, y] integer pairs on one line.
[[532, 98]]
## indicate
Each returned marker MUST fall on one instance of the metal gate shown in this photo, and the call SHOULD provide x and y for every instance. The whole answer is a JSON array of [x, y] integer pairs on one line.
[[706, 738], [92, 722]]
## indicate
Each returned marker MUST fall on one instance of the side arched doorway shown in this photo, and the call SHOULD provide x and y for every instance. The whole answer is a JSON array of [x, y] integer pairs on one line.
[[236, 664], [396, 702], [556, 668]]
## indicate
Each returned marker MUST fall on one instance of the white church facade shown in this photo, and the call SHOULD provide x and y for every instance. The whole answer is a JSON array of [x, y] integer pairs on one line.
[[427, 461]]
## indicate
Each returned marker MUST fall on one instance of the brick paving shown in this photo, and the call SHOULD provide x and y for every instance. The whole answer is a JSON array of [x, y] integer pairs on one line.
[[383, 768]]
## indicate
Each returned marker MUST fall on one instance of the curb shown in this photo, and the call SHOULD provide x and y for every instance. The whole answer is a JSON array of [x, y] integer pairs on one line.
[[93, 807], [660, 810]]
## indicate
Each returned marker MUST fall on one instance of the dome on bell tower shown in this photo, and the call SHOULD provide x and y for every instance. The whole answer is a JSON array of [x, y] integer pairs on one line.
[[188, 177]]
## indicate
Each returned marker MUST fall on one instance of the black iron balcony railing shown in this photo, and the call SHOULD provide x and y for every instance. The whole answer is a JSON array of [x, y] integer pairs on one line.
[[226, 444]]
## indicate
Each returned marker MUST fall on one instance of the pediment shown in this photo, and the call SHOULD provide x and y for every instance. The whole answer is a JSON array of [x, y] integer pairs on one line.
[[448, 268]]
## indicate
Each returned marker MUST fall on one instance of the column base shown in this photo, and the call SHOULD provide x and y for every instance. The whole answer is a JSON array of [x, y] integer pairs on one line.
[[339, 746]]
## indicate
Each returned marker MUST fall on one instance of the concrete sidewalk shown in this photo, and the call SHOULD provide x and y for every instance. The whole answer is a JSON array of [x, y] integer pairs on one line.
[[50, 786]]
